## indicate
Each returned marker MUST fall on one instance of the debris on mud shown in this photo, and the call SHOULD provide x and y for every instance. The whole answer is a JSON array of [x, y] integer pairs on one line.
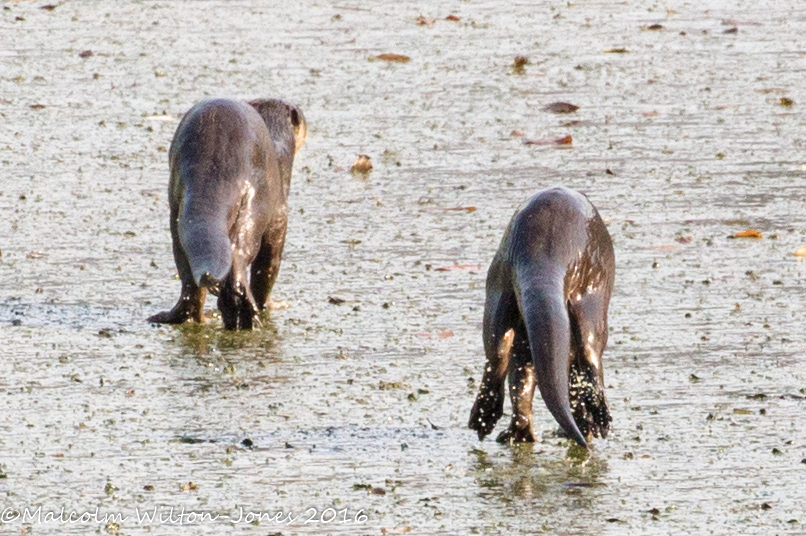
[[362, 164], [565, 140], [561, 108], [519, 64], [750, 233], [391, 57]]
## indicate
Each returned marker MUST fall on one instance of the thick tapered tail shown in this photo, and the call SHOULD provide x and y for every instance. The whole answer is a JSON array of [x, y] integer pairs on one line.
[[206, 243], [545, 315]]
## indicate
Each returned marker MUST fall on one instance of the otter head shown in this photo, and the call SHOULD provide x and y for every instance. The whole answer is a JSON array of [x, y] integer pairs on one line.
[[284, 120]]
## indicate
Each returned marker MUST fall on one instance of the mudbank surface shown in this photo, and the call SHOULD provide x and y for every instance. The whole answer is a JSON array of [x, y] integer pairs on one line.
[[354, 395]]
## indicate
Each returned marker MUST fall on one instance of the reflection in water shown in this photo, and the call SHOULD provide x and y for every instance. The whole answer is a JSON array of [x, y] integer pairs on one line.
[[525, 475], [204, 339]]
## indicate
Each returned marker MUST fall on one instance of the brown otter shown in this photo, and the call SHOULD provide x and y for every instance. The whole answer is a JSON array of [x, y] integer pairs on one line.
[[230, 175], [545, 319]]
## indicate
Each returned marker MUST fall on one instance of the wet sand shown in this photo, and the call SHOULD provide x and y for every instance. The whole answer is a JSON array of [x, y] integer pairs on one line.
[[681, 142]]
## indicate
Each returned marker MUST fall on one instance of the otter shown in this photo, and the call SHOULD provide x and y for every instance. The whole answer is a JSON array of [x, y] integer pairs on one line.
[[230, 172], [545, 319]]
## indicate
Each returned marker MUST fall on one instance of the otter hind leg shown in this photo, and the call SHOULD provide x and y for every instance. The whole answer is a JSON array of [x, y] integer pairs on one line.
[[190, 305], [499, 317], [266, 265], [522, 382], [489, 405], [238, 310], [586, 376]]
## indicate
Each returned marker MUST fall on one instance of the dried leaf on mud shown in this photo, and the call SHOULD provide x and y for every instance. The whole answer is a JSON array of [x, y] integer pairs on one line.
[[566, 140], [750, 233], [399, 58], [362, 164], [561, 108]]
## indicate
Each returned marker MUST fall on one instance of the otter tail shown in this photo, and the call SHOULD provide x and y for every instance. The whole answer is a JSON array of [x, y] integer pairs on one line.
[[204, 236], [541, 301]]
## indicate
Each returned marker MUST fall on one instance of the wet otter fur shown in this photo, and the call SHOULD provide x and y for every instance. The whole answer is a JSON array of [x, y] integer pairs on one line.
[[545, 319], [230, 173]]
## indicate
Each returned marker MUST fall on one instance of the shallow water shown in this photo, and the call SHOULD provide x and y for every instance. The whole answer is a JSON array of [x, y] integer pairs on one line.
[[101, 409]]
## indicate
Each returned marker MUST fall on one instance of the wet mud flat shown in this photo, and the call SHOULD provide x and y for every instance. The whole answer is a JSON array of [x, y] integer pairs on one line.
[[353, 397]]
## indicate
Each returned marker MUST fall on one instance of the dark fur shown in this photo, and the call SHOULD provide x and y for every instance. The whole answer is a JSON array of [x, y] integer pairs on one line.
[[230, 175], [545, 319]]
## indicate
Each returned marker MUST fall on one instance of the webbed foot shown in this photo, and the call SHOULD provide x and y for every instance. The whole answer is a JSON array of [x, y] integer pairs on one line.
[[588, 402], [487, 410]]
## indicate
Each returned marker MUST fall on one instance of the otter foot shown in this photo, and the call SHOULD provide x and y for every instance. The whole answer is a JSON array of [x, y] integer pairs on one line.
[[516, 434], [169, 317], [588, 402], [487, 410], [237, 309], [180, 314]]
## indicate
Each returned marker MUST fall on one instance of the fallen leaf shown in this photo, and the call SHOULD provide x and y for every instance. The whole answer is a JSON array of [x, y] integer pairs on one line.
[[401, 530], [653, 27], [561, 108], [786, 102], [566, 140], [519, 134], [48, 7], [36, 106], [733, 30], [750, 233], [458, 267], [519, 63], [399, 58], [86, 54], [425, 21], [453, 18], [617, 50], [334, 300], [362, 164]]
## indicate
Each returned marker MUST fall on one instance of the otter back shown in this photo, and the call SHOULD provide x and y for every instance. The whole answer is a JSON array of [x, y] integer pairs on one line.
[[230, 170]]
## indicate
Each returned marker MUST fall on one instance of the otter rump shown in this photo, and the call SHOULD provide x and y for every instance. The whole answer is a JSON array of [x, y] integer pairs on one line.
[[230, 173], [545, 319]]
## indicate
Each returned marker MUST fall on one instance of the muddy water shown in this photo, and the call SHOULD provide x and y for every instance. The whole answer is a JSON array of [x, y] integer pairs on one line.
[[704, 368]]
